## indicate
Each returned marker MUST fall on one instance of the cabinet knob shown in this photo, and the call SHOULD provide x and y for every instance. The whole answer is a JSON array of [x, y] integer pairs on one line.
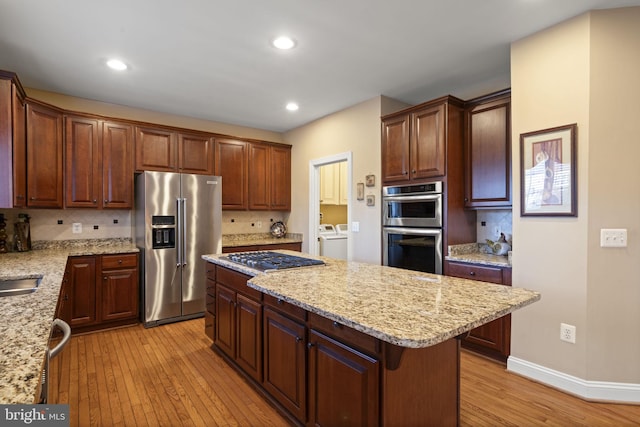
[[95, 201], [32, 198], [336, 324], [310, 344], [405, 173], [106, 201], [119, 261], [413, 171], [280, 301], [104, 278], [472, 273], [298, 339]]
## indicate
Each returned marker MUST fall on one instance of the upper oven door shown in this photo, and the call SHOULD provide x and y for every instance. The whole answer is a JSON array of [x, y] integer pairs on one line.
[[413, 211]]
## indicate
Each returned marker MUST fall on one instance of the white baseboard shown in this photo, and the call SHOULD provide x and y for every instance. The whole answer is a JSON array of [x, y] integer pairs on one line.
[[588, 390]]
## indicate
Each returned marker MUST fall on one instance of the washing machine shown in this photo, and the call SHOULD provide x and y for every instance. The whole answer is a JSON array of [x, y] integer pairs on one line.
[[332, 243]]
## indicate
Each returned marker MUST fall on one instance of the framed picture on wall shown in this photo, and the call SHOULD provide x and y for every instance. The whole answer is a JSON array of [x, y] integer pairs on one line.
[[360, 191], [370, 180], [548, 172]]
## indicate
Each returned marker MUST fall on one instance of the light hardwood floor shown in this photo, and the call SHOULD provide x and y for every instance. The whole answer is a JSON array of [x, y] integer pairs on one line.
[[168, 376]]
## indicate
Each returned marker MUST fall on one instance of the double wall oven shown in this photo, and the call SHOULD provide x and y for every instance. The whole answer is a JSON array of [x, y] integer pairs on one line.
[[412, 227]]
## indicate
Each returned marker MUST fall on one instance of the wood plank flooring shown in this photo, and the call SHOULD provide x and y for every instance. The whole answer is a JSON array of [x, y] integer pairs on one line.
[[168, 376]]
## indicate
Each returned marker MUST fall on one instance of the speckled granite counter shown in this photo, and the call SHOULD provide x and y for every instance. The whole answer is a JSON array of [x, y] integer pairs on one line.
[[473, 253], [25, 320], [402, 307], [236, 240]]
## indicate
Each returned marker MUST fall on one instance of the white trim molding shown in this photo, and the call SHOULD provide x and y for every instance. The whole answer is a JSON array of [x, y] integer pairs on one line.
[[588, 390]]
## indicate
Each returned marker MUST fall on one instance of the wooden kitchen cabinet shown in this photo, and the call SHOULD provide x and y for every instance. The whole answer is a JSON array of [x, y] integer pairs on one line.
[[343, 384], [415, 141], [285, 358], [231, 160], [82, 291], [13, 151], [494, 338], [98, 163], [280, 177], [168, 150], [119, 287], [488, 152], [210, 301], [100, 291], [269, 177], [238, 327], [44, 156]]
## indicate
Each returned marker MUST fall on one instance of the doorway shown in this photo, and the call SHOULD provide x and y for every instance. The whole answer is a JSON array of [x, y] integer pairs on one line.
[[330, 186]]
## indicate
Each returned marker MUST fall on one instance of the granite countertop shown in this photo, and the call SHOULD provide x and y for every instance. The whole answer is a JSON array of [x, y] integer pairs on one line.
[[25, 320], [477, 253], [403, 307], [236, 240]]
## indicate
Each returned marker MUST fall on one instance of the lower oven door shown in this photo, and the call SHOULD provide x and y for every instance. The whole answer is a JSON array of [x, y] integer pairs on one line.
[[417, 249]]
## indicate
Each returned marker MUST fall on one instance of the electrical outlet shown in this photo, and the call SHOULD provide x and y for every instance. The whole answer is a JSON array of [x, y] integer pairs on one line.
[[76, 228], [259, 224], [567, 333]]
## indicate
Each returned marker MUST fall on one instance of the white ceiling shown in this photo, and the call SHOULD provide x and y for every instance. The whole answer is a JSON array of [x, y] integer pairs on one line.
[[211, 59]]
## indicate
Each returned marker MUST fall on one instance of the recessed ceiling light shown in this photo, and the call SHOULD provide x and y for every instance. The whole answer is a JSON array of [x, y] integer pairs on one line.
[[292, 106], [116, 64], [283, 42]]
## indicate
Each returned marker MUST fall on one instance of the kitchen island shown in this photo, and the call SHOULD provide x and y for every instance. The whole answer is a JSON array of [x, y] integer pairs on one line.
[[382, 343], [25, 320]]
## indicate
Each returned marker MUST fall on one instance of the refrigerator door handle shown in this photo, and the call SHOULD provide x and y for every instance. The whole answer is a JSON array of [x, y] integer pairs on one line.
[[179, 230], [184, 232]]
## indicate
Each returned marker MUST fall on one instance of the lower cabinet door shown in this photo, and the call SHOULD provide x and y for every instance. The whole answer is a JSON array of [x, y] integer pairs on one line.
[[119, 294], [82, 285], [249, 343], [285, 362], [225, 320], [343, 384]]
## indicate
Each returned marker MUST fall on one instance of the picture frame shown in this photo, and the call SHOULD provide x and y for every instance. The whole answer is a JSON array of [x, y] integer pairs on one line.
[[548, 174], [370, 180], [360, 191], [371, 200]]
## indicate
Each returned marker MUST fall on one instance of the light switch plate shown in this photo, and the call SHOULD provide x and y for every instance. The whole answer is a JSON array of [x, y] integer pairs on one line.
[[355, 226], [76, 227], [613, 237]]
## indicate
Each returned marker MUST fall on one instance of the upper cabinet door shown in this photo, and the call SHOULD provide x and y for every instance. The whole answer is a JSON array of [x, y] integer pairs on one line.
[[428, 143], [280, 178], [155, 150], [117, 165], [195, 154], [488, 153], [259, 162], [231, 164], [19, 149], [83, 171], [44, 157], [395, 149]]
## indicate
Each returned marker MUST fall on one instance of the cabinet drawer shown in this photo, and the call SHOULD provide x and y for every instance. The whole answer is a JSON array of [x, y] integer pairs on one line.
[[119, 261], [211, 271], [211, 287], [476, 272], [237, 282], [285, 307], [345, 334]]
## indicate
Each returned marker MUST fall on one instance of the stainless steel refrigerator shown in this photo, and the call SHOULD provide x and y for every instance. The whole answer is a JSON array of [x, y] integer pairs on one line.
[[177, 220]]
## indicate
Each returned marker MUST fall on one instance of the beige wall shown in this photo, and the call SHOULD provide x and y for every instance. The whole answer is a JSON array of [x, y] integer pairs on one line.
[[581, 71], [123, 112], [356, 129]]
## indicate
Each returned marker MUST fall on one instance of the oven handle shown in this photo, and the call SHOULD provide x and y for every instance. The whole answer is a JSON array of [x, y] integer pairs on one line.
[[66, 335], [434, 231], [417, 198]]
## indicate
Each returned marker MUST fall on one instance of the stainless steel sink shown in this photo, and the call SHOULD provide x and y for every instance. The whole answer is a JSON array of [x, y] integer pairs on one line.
[[19, 286]]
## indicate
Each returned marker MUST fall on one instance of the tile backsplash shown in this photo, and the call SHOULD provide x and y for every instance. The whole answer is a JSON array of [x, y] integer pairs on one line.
[[489, 221], [100, 224], [57, 224]]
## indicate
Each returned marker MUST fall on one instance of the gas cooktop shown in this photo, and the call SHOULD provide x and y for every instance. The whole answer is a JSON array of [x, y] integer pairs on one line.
[[269, 261]]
